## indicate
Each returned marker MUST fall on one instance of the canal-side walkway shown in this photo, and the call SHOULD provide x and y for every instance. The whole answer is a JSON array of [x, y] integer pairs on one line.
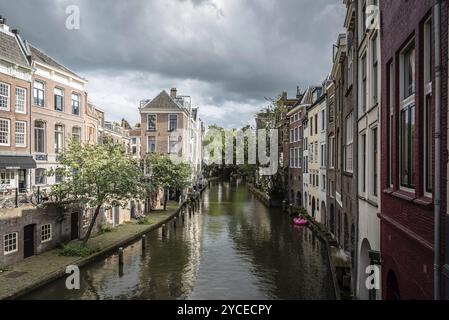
[[34, 272]]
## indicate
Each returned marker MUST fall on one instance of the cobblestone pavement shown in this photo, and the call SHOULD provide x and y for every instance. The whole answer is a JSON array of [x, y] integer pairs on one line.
[[38, 270]]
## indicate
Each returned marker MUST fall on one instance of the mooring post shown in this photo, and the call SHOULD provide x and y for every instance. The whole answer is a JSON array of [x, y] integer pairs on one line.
[[120, 256], [144, 243], [174, 223]]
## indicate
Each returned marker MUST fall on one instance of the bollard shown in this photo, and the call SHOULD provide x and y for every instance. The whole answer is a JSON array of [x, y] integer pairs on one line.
[[144, 243], [174, 223], [120, 256]]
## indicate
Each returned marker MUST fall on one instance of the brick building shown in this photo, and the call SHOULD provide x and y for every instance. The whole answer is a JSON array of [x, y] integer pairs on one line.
[[408, 145], [15, 87]]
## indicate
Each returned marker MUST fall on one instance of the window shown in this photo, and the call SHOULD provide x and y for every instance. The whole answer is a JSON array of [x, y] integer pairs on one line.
[[59, 139], [428, 140], [364, 92], [21, 95], [134, 150], [375, 70], [390, 122], [349, 144], [20, 134], [316, 152], [40, 176], [428, 54], [76, 134], [59, 175], [46, 234], [4, 96], [316, 124], [408, 146], [364, 22], [292, 136], [39, 93], [323, 156], [291, 158], [173, 145], [39, 137], [363, 163], [76, 104], [10, 243], [332, 152], [151, 144], [173, 122], [296, 135], [152, 122], [409, 72], [311, 126], [374, 155], [5, 132], [296, 155], [6, 177], [323, 120], [59, 99], [407, 118]]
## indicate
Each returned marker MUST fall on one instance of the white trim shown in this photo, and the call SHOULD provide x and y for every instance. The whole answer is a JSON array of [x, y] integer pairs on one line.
[[24, 135], [25, 100], [8, 107], [42, 233], [8, 144], [4, 243]]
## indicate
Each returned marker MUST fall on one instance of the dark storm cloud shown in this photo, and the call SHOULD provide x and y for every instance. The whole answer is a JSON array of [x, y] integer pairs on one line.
[[235, 51]]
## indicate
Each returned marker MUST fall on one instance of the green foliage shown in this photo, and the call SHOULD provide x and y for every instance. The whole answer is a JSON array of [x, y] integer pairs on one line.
[[4, 269], [99, 174], [77, 250], [107, 229], [144, 221], [167, 174]]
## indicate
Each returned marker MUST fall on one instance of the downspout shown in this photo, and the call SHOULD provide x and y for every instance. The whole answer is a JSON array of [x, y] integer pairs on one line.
[[437, 200]]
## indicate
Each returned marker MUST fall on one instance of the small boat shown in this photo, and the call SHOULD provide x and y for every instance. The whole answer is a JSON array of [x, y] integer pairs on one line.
[[299, 221]]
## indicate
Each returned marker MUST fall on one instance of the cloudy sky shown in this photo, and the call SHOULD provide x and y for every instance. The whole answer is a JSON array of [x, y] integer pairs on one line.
[[227, 54]]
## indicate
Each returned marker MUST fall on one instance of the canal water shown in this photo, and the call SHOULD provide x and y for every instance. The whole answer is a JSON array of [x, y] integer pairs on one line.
[[233, 248]]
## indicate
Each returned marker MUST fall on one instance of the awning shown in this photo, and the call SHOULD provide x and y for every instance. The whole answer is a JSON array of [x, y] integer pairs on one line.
[[17, 162]]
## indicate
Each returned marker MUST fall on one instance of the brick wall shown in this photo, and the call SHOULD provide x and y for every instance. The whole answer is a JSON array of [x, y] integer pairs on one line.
[[407, 218]]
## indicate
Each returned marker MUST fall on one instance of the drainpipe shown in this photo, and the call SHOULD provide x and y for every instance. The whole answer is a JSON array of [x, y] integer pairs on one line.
[[437, 207]]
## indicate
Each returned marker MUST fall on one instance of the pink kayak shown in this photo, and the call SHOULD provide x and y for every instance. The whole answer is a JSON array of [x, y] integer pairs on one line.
[[300, 222]]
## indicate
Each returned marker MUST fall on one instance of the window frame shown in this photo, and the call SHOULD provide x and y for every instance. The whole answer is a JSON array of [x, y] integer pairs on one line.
[[60, 96], [148, 144], [349, 143], [75, 94], [25, 97], [6, 243], [48, 232], [170, 122], [24, 134], [8, 136], [44, 130], [37, 92], [155, 122], [7, 97]]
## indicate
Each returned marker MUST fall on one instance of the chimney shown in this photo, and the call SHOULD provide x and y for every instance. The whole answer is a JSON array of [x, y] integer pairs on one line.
[[3, 25], [173, 93], [16, 32]]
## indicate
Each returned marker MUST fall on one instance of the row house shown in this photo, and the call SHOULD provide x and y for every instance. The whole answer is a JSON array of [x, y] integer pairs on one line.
[[368, 154], [314, 128], [15, 89], [170, 126], [57, 113], [414, 62]]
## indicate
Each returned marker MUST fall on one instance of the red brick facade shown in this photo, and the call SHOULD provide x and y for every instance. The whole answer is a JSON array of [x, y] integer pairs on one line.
[[407, 218]]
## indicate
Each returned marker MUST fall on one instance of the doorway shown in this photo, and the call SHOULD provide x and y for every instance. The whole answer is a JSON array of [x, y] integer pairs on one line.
[[22, 181], [28, 241], [74, 233]]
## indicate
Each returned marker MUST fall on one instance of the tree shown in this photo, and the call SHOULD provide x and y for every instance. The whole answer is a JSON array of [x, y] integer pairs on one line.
[[99, 175], [167, 174]]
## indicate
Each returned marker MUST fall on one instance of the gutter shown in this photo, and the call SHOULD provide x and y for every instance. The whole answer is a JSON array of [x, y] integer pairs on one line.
[[438, 153]]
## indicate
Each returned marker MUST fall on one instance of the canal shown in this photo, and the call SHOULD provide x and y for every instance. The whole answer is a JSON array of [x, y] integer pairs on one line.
[[233, 248]]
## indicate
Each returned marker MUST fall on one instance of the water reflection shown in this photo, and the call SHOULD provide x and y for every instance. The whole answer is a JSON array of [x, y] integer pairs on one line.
[[234, 248]]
